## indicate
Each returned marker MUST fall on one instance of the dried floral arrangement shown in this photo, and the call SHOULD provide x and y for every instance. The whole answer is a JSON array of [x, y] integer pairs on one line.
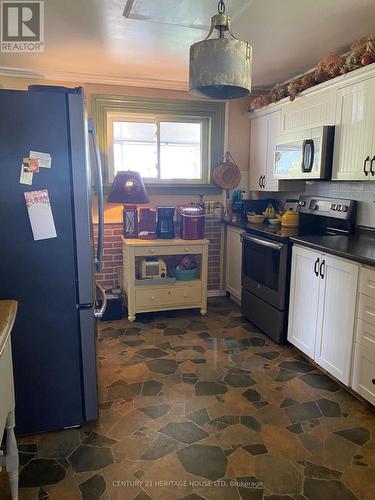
[[362, 53]]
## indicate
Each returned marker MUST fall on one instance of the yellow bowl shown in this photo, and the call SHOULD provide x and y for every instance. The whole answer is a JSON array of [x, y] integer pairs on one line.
[[255, 219]]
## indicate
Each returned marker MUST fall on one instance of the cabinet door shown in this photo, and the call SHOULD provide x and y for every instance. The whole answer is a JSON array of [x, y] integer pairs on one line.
[[258, 152], [354, 131], [233, 262], [364, 372], [273, 131], [304, 299], [335, 331], [309, 112]]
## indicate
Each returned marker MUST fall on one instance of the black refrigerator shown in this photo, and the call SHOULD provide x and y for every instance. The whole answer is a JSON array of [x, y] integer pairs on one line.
[[53, 280]]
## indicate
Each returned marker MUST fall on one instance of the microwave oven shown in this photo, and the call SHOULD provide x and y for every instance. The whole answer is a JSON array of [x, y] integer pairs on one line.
[[306, 154]]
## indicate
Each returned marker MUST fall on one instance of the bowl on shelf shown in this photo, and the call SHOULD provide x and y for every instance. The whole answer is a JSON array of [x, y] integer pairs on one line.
[[274, 222], [255, 219], [185, 274]]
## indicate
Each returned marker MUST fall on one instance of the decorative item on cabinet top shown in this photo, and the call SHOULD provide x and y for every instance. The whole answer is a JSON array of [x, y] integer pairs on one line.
[[362, 53]]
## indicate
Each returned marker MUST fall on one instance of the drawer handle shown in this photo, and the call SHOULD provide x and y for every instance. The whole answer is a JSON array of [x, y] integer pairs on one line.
[[169, 292]]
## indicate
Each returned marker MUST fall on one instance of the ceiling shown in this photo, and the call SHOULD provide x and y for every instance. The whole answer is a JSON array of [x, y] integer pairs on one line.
[[92, 41]]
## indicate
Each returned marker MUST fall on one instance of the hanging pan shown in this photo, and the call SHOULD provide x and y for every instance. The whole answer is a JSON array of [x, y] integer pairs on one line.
[[227, 175]]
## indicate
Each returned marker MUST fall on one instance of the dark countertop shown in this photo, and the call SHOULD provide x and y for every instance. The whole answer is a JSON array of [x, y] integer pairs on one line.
[[359, 247], [233, 223]]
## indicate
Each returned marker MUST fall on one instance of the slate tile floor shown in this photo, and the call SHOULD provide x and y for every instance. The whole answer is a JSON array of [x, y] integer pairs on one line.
[[194, 407]]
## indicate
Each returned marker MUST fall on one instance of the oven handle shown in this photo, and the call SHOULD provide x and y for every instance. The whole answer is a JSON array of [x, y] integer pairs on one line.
[[265, 243]]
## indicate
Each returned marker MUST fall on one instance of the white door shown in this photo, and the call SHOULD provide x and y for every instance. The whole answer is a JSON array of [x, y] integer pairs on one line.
[[233, 262], [273, 131], [354, 133], [304, 299], [258, 153], [336, 316]]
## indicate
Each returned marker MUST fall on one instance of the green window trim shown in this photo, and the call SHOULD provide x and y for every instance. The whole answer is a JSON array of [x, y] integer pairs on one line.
[[104, 105]]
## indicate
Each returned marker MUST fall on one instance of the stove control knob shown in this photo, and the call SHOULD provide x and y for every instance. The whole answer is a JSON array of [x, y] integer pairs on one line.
[[301, 203], [344, 208], [333, 206], [339, 207]]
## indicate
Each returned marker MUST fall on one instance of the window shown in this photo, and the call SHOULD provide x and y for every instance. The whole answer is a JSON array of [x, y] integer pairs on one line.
[[174, 144], [160, 148]]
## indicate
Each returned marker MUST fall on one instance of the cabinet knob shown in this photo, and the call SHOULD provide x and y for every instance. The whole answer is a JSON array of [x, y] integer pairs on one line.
[[169, 292], [186, 249], [152, 298], [152, 250], [373, 381]]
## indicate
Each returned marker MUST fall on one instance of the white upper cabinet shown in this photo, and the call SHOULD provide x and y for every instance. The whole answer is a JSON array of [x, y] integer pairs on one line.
[[258, 152], [264, 131], [348, 102], [355, 132], [309, 112], [273, 131]]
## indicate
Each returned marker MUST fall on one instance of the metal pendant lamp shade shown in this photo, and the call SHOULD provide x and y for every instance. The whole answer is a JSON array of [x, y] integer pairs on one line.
[[220, 68]]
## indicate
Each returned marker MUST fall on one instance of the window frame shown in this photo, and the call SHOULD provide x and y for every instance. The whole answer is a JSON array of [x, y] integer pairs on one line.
[[166, 109], [157, 119]]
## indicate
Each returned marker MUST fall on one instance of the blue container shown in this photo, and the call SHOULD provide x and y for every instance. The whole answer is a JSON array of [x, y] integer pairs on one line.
[[185, 274]]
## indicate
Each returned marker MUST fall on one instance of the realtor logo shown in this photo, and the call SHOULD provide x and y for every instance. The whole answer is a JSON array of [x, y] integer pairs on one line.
[[22, 26]]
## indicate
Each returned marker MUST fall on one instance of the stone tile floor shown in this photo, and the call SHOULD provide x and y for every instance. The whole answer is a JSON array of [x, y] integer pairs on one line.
[[205, 407]]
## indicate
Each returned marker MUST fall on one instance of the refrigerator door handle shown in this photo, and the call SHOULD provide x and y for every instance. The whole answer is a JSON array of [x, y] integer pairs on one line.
[[98, 313], [99, 188]]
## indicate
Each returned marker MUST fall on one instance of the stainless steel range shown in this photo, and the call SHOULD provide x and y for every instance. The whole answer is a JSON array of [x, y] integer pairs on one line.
[[266, 258]]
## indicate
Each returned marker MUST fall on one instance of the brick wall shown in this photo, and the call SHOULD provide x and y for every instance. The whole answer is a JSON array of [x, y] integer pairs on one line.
[[112, 257]]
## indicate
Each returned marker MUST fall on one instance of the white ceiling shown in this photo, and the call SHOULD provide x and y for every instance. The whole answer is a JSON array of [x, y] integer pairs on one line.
[[91, 40]]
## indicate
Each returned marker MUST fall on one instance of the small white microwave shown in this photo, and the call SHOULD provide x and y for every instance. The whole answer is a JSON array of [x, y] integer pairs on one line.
[[304, 155]]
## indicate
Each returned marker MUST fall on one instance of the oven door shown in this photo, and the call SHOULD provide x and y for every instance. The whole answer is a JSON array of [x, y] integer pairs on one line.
[[265, 269]]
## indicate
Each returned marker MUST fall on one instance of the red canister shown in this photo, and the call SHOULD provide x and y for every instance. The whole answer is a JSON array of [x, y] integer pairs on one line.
[[191, 218]]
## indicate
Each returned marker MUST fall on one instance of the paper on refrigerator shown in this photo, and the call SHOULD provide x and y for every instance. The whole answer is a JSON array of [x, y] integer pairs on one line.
[[26, 176], [40, 214], [44, 159]]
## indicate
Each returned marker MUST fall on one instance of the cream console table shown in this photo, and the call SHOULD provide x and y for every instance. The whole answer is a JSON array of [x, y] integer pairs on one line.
[[163, 297], [8, 309]]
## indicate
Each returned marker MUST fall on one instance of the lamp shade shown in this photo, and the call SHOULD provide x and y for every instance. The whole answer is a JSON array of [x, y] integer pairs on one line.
[[128, 188]]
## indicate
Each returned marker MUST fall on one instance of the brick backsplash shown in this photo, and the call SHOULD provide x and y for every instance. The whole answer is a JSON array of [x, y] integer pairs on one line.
[[112, 253]]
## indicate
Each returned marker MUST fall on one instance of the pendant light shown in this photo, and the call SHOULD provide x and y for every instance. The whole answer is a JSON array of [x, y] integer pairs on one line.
[[220, 68]]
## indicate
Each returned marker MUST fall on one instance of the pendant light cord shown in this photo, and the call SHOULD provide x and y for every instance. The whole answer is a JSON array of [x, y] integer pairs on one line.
[[221, 7]]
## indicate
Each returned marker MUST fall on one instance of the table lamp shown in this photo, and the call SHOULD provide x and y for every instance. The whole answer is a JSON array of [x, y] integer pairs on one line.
[[128, 188]]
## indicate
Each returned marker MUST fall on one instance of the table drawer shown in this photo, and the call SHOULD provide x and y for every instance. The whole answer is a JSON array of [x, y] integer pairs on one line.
[[169, 250], [364, 372], [159, 297], [367, 281], [366, 309]]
